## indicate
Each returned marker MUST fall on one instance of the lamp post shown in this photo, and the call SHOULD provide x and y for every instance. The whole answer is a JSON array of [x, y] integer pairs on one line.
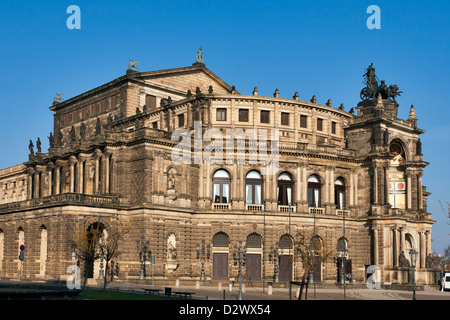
[[413, 255], [143, 254], [203, 252], [239, 257], [274, 257]]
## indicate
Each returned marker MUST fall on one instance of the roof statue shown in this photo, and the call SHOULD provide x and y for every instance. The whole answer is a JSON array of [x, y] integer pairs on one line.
[[199, 57], [373, 88], [58, 97], [132, 65]]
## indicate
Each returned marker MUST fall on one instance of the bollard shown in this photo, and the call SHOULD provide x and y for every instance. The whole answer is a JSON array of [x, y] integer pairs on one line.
[[220, 286], [177, 283], [230, 287], [269, 290], [197, 285]]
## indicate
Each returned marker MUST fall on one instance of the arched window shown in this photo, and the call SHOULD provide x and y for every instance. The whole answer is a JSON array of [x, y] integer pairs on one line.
[[285, 242], [253, 188], [397, 183], [285, 186], [221, 186], [220, 240], [314, 187], [254, 241], [339, 193]]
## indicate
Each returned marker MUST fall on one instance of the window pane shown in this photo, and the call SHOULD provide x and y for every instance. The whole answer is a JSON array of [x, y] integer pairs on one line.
[[226, 193], [243, 115], [265, 116], [319, 124], [303, 123], [221, 114], [216, 195], [248, 194], [257, 194], [253, 175], [316, 197], [289, 195], [285, 119]]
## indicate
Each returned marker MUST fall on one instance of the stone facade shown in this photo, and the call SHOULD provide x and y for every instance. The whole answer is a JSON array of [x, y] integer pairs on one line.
[[111, 155]]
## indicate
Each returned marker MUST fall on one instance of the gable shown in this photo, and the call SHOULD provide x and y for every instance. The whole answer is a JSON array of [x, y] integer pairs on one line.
[[188, 78]]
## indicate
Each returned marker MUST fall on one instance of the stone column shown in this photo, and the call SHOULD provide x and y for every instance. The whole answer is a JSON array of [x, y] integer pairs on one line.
[[106, 176], [375, 246], [419, 191], [58, 178], [402, 239], [30, 190], [408, 190], [394, 247], [72, 162], [97, 155], [375, 184], [37, 184], [50, 168], [423, 249]]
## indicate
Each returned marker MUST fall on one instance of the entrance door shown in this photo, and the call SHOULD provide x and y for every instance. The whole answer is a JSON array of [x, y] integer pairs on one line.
[[284, 268], [253, 266], [220, 266]]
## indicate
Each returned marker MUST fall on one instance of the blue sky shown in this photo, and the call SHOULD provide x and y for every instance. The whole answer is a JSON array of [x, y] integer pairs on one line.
[[314, 47]]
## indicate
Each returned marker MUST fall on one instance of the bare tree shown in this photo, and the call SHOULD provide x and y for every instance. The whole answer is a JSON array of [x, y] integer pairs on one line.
[[110, 241], [312, 252], [85, 244]]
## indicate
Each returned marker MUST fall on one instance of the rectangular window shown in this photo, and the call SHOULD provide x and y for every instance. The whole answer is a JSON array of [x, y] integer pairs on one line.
[[155, 125], [221, 114], [285, 118], [181, 120], [150, 101], [243, 115], [265, 116], [319, 124], [333, 127], [303, 121]]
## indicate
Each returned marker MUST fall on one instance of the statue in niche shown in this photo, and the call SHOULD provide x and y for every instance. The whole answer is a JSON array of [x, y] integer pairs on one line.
[[171, 180], [172, 262], [402, 261], [82, 131], [386, 137], [72, 134], [98, 127], [419, 148], [59, 137]]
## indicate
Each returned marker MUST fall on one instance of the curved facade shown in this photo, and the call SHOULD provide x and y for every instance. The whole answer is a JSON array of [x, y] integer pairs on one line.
[[200, 169]]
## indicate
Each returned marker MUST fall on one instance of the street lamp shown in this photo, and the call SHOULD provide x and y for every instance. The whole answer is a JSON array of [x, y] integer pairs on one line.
[[413, 255], [274, 257], [144, 253], [203, 252], [240, 256]]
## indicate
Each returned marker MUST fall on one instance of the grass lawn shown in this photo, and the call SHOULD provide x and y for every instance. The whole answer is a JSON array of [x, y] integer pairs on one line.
[[114, 295]]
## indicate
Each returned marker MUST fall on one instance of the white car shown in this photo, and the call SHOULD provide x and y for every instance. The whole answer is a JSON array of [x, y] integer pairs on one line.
[[446, 281]]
